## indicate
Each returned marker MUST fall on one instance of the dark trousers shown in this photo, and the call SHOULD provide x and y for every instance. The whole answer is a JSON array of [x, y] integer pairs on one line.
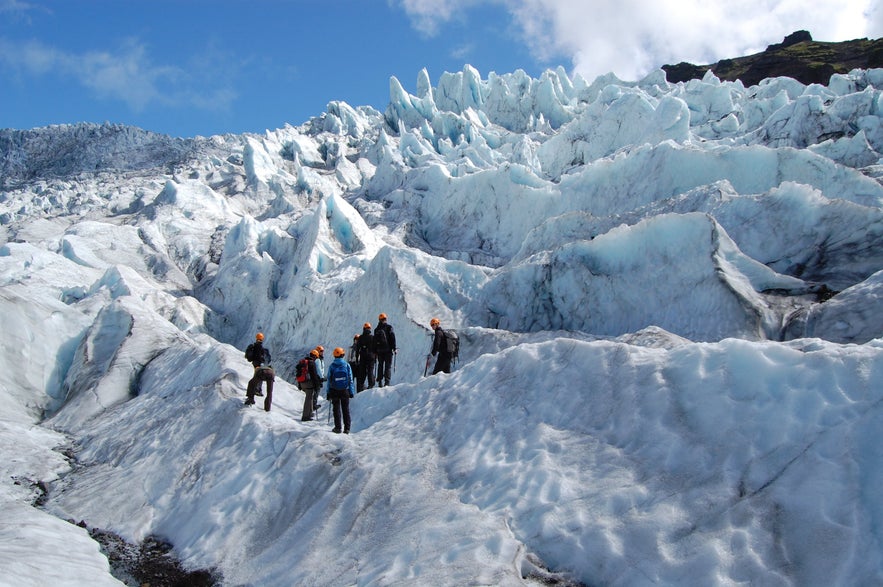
[[367, 371], [442, 364], [358, 375], [254, 384], [384, 368], [340, 405]]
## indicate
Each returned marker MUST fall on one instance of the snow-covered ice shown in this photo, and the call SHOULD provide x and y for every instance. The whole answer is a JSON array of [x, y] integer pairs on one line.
[[667, 295]]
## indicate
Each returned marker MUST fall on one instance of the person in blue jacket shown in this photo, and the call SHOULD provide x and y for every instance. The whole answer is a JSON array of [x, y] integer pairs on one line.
[[340, 387]]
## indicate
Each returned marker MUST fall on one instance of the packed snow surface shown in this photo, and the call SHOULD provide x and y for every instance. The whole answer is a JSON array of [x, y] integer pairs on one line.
[[667, 296]]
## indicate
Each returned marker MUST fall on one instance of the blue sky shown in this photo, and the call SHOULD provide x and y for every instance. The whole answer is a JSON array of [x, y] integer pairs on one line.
[[189, 67]]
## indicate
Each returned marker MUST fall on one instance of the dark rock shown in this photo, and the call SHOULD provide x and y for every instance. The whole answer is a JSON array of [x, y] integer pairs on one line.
[[797, 56], [792, 39], [151, 563]]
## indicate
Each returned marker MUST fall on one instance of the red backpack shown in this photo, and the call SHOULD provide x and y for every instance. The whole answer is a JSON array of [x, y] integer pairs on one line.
[[302, 371]]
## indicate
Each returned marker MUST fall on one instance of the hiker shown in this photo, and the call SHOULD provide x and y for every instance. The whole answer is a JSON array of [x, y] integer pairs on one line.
[[385, 348], [367, 357], [440, 348], [309, 382], [320, 361], [320, 369], [340, 388], [259, 357], [355, 365]]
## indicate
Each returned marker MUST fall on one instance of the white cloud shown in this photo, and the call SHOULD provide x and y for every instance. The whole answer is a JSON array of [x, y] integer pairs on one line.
[[427, 16], [127, 74], [874, 16], [19, 11], [633, 37], [463, 52]]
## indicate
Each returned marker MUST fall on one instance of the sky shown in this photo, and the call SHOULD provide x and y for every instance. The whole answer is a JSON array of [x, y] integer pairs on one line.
[[200, 67]]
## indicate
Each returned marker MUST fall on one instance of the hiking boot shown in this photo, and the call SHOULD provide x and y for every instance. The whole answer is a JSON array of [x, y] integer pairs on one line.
[[259, 393], [347, 431], [249, 402], [336, 430]]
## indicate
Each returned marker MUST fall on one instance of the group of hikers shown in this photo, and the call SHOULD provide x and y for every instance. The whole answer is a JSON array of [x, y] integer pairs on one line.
[[371, 360]]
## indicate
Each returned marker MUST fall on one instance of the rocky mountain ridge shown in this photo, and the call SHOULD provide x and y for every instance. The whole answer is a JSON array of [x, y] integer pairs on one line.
[[798, 56]]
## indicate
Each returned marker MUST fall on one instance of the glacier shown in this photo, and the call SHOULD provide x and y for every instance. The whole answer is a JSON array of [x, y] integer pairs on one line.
[[667, 295]]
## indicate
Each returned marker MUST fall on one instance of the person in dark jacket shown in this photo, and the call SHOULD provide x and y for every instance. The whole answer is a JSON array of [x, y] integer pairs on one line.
[[311, 386], [260, 360], [355, 365], [440, 348], [367, 358], [385, 348], [339, 390]]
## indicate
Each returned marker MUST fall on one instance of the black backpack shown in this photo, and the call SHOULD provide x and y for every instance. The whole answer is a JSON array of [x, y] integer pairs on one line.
[[249, 352], [381, 341], [452, 342]]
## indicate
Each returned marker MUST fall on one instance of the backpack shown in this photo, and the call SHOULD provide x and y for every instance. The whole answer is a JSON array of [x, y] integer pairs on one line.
[[452, 341], [339, 379], [380, 339], [302, 371], [249, 352]]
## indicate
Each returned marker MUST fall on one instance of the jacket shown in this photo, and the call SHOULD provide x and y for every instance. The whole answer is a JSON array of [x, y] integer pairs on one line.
[[261, 355], [390, 338], [439, 344], [338, 363], [366, 345]]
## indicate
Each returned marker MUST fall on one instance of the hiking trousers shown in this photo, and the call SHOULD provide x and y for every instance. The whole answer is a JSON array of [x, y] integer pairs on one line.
[[384, 368], [340, 406], [367, 371], [442, 364], [310, 395], [254, 384]]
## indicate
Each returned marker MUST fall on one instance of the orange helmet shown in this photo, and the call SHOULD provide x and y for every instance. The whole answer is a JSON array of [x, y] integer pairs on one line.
[[339, 352], [259, 337], [382, 316], [321, 349], [314, 353], [356, 337], [434, 322], [366, 325]]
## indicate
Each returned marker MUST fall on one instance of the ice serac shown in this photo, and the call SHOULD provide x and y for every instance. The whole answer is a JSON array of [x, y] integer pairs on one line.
[[853, 316], [617, 283], [618, 119], [125, 336]]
